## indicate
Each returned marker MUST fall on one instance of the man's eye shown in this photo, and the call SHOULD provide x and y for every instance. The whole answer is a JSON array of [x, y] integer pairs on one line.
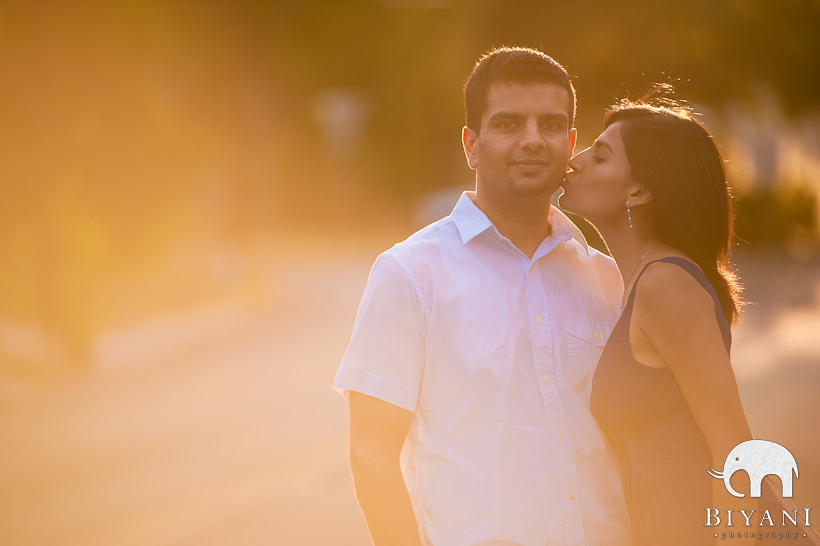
[[597, 159], [551, 126], [507, 125]]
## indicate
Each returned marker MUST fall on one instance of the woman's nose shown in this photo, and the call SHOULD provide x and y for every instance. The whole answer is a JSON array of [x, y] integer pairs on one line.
[[576, 162]]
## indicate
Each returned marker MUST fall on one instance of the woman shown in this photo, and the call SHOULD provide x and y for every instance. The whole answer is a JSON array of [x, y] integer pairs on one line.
[[654, 186]]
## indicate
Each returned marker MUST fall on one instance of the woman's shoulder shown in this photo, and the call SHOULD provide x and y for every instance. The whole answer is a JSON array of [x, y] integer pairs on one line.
[[670, 285]]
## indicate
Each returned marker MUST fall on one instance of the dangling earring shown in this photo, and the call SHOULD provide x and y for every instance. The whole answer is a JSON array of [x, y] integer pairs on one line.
[[629, 214]]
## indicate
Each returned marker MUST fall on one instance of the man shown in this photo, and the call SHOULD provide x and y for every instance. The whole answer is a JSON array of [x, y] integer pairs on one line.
[[470, 364]]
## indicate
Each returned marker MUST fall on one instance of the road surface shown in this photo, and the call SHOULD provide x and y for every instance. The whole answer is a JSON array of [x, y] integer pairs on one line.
[[236, 438]]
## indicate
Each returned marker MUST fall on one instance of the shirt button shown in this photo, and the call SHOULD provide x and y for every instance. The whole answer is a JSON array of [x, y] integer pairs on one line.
[[539, 320], [595, 334], [546, 379], [570, 496], [560, 435]]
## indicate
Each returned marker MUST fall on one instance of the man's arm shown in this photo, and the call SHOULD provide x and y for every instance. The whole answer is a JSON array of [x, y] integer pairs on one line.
[[377, 432]]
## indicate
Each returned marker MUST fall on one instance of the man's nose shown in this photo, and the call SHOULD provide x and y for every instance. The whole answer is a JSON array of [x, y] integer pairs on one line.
[[532, 137]]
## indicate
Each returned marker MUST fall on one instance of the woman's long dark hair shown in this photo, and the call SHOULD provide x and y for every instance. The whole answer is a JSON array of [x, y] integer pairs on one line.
[[674, 156]]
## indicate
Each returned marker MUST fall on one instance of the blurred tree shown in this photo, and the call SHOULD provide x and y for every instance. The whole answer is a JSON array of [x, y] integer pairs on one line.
[[131, 129]]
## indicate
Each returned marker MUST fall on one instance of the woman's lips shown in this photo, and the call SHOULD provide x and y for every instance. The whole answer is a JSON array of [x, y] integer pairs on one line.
[[570, 179]]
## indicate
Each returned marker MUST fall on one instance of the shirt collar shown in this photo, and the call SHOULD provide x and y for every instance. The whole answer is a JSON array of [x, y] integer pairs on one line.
[[471, 221], [563, 228]]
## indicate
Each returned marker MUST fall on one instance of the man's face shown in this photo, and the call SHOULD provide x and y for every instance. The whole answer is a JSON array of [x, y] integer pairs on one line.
[[524, 142]]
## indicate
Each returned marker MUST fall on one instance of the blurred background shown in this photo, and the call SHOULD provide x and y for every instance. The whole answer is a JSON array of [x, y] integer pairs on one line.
[[193, 193]]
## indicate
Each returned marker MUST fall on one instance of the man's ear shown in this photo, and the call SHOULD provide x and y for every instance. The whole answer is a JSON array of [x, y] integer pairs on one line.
[[639, 195], [573, 136], [468, 140]]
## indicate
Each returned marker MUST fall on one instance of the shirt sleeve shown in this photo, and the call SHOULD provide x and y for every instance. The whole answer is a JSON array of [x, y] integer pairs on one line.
[[385, 358]]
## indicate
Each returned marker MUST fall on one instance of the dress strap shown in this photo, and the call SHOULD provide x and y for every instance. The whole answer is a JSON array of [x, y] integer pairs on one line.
[[699, 276]]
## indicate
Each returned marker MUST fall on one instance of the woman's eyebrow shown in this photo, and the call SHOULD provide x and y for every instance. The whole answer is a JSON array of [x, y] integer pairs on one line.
[[602, 144]]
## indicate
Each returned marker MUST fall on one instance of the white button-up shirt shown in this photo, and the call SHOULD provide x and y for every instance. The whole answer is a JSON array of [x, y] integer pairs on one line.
[[494, 353]]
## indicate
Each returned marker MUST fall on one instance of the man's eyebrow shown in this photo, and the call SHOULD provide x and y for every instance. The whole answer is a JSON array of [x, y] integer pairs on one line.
[[506, 115], [555, 117], [515, 116]]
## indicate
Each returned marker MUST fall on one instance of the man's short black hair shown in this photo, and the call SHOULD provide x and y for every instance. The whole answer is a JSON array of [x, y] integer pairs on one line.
[[512, 65]]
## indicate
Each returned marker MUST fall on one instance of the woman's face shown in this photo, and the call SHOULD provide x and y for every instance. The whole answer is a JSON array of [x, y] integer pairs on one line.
[[598, 186]]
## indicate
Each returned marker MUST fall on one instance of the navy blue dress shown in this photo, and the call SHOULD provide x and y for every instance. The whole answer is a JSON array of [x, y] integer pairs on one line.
[[662, 453]]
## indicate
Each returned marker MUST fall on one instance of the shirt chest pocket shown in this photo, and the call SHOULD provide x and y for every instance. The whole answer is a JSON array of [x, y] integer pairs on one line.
[[585, 341]]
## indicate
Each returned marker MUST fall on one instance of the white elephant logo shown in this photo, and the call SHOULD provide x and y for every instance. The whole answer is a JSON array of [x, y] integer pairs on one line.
[[759, 458]]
